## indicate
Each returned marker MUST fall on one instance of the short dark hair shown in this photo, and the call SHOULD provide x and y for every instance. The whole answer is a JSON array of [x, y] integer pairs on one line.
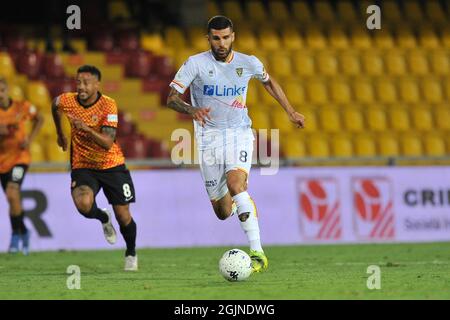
[[90, 69], [219, 23]]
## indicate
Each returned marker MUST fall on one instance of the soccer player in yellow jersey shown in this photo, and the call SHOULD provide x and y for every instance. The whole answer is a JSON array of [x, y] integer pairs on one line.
[[96, 159], [15, 158]]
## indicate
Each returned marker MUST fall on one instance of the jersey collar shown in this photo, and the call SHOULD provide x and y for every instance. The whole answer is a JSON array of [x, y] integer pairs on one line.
[[228, 60]]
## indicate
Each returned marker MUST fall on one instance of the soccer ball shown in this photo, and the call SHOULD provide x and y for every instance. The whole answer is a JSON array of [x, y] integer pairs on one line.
[[235, 265]]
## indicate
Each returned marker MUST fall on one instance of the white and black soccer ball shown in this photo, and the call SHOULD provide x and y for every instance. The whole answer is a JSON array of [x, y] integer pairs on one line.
[[235, 265]]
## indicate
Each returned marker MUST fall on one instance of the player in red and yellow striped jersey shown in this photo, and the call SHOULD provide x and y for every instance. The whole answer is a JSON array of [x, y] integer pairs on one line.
[[97, 161], [15, 158]]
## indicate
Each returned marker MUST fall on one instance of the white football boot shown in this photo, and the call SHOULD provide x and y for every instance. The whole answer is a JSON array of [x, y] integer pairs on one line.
[[131, 263], [108, 229]]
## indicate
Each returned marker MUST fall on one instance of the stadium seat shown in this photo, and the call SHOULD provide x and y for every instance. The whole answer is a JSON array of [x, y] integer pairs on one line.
[[260, 118], [197, 39], [16, 92], [37, 152], [163, 66], [139, 64], [53, 66], [233, 10], [440, 62], [408, 90], [278, 11], [55, 154], [30, 64], [314, 37], [245, 40], [427, 37], [434, 145], [303, 63], [128, 40], [256, 11], [442, 117], [390, 10], [417, 62], [37, 93], [432, 90], [15, 42], [269, 40], [295, 92], [330, 121], [317, 146], [359, 38], [435, 12], [293, 146], [372, 63], [383, 39], [7, 69], [212, 9], [395, 62], [101, 41], [353, 120], [118, 9], [280, 120], [337, 38], [399, 119], [317, 91], [405, 37], [363, 90], [340, 92], [291, 39], [253, 100], [364, 145], [386, 90], [346, 11], [152, 42], [311, 122], [324, 11], [326, 63], [388, 145], [445, 37], [349, 63], [411, 145], [341, 146], [175, 38], [302, 11], [376, 119], [422, 119], [413, 11]]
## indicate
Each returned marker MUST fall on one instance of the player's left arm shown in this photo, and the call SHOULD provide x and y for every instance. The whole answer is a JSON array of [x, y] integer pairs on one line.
[[37, 122], [105, 138], [277, 92]]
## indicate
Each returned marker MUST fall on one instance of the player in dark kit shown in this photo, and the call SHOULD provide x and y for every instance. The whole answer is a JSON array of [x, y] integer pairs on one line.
[[96, 159], [15, 158]]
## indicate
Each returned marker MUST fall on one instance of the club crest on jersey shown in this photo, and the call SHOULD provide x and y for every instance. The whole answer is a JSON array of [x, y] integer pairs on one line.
[[239, 71]]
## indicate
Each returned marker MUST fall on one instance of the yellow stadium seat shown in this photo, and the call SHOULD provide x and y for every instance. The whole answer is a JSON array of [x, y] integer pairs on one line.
[[175, 38], [340, 91], [317, 91], [7, 69], [434, 145], [38, 94], [256, 11], [260, 118], [417, 62], [290, 39], [440, 62], [16, 92], [376, 119], [152, 42], [341, 146], [383, 39], [55, 154], [427, 37], [245, 40], [362, 6], [326, 63], [37, 152], [338, 38], [446, 84], [295, 92], [405, 37], [317, 146], [314, 37], [324, 11], [445, 37], [432, 90], [330, 120], [363, 90], [353, 120], [197, 39], [411, 145], [399, 119], [360, 39], [442, 117], [435, 12], [269, 40], [293, 146], [212, 9], [391, 11], [388, 145], [181, 55], [346, 11], [278, 11], [303, 63], [233, 10], [364, 145], [118, 9], [395, 62], [372, 63], [302, 11], [281, 121], [311, 123], [386, 90], [349, 62], [413, 11], [408, 90], [253, 99], [422, 119]]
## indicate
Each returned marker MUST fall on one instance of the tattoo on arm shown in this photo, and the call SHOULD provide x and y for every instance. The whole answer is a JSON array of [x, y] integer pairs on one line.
[[175, 102], [110, 131]]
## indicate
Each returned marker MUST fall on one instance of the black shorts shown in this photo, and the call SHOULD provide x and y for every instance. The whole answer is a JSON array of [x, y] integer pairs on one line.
[[116, 183], [16, 175]]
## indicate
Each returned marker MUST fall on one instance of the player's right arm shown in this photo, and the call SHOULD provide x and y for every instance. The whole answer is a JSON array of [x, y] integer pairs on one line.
[[175, 102], [57, 113]]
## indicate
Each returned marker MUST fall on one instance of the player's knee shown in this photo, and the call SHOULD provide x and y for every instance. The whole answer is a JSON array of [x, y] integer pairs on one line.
[[236, 188], [84, 206], [222, 213]]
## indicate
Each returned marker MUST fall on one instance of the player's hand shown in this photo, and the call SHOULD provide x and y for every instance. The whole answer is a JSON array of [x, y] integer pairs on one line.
[[200, 115], [62, 142], [79, 124], [298, 119]]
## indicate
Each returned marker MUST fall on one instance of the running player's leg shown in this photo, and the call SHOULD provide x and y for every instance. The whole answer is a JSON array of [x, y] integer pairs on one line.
[[11, 183], [119, 190]]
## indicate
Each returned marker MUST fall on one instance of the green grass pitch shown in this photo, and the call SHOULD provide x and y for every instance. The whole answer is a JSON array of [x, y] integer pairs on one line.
[[408, 271]]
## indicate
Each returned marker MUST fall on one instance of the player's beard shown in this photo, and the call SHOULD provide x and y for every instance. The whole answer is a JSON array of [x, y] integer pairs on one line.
[[219, 56]]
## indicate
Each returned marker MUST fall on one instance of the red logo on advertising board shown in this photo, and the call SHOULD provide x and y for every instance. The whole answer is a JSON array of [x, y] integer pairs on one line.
[[373, 208], [320, 217]]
